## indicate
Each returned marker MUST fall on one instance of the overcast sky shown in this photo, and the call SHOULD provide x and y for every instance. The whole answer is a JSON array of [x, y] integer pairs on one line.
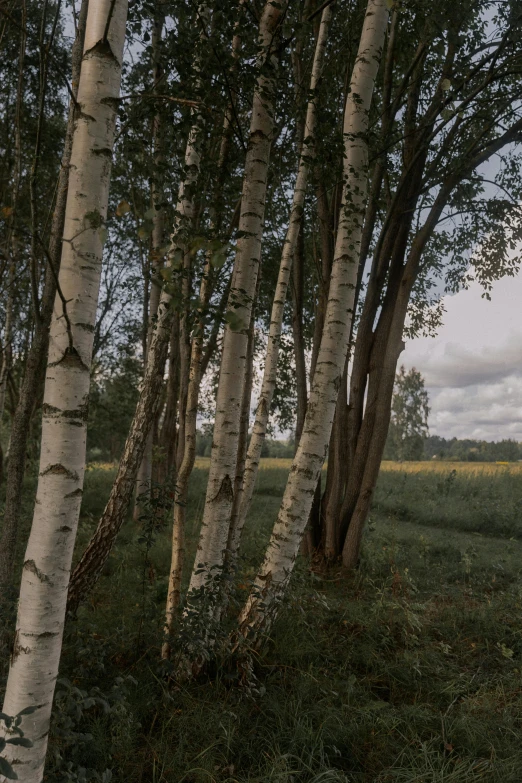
[[473, 368]]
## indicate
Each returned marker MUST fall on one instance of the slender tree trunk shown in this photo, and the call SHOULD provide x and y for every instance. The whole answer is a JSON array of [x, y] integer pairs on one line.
[[32, 383], [93, 559], [289, 249], [335, 477], [7, 354], [299, 341], [167, 435], [236, 525], [184, 372], [193, 372], [312, 535], [383, 362], [144, 477], [187, 439], [353, 539], [11, 244], [41, 609], [220, 490], [261, 606]]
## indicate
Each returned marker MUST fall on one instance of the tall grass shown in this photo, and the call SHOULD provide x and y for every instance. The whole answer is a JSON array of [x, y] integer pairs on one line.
[[408, 671]]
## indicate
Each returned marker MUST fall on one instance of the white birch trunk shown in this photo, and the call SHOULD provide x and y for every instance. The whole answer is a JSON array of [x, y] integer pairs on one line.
[[306, 159], [283, 547], [41, 609], [219, 498]]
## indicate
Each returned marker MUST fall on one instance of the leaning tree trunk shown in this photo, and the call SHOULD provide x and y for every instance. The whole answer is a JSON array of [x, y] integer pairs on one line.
[[276, 319], [45, 579], [34, 368], [88, 569], [220, 490], [270, 583]]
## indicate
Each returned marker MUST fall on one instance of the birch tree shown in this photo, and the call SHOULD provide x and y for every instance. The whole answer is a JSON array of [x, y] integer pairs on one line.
[[144, 477], [188, 433], [220, 489], [276, 319], [41, 609], [425, 172], [283, 547], [33, 376]]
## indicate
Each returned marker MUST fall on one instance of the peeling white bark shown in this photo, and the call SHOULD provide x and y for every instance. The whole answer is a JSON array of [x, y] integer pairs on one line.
[[306, 159], [45, 578], [219, 498], [283, 547]]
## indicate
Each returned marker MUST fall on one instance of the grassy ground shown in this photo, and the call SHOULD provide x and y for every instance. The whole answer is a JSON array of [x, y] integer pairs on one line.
[[409, 671]]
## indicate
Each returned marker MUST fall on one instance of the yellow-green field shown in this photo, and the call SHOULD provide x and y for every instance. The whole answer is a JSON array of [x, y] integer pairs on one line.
[[436, 466]]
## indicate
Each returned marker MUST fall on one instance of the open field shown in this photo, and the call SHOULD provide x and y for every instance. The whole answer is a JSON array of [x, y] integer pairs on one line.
[[409, 671]]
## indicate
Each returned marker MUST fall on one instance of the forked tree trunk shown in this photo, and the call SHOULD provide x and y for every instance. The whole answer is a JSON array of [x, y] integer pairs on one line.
[[283, 547], [88, 570], [276, 318], [43, 594], [32, 382], [220, 490]]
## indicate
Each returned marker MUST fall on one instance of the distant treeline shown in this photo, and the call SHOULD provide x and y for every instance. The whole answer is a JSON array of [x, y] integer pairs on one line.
[[472, 450], [271, 448], [434, 446]]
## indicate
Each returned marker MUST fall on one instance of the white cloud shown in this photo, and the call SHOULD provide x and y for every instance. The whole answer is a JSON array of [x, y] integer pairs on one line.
[[473, 368]]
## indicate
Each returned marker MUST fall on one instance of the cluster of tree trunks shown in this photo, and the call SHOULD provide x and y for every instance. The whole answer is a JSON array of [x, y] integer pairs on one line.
[[374, 228]]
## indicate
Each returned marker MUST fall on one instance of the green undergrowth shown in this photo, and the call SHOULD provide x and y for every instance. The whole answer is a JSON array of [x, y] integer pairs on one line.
[[408, 671], [488, 501]]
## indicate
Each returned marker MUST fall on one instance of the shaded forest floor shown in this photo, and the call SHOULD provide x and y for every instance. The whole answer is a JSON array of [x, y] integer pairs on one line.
[[408, 671]]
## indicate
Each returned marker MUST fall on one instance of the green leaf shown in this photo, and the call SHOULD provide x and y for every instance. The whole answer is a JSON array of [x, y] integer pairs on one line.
[[197, 244], [234, 321], [218, 260], [150, 214], [447, 114], [445, 85], [102, 233], [176, 259], [6, 770]]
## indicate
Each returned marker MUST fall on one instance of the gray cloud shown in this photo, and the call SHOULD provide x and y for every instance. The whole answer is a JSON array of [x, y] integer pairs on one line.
[[460, 367], [486, 412]]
